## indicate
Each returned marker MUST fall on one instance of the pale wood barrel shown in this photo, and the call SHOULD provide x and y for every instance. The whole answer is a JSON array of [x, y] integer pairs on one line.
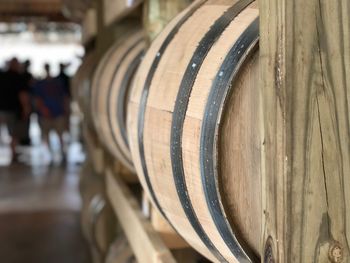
[[97, 218], [110, 92], [81, 83], [194, 128]]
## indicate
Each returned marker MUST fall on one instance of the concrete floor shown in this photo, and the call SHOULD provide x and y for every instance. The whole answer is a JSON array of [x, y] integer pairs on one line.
[[39, 216]]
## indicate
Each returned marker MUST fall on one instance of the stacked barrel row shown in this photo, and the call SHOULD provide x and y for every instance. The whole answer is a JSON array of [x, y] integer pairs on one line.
[[183, 113]]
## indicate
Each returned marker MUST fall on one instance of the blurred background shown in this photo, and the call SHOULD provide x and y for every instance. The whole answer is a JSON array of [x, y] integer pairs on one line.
[[40, 143]]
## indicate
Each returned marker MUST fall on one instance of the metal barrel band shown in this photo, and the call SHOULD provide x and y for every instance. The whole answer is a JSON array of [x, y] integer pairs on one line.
[[179, 115], [220, 87], [144, 98]]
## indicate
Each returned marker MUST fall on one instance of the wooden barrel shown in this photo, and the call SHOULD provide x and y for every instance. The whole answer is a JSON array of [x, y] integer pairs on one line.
[[81, 84], [194, 128], [97, 218], [110, 92]]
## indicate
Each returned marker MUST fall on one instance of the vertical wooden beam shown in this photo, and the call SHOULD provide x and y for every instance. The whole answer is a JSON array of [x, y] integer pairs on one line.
[[105, 37], [89, 26], [110, 34], [158, 13], [305, 80]]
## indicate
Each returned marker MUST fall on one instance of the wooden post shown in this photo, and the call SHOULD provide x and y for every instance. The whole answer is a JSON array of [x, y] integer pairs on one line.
[[305, 80], [89, 26], [105, 38], [113, 31], [158, 13]]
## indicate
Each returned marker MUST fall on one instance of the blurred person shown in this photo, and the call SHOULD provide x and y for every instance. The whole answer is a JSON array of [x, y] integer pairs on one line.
[[62, 76], [28, 81], [50, 100], [27, 76], [14, 98], [65, 80]]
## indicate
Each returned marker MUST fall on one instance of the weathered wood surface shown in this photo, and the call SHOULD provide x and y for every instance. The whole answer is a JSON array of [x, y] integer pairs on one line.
[[305, 80], [144, 240]]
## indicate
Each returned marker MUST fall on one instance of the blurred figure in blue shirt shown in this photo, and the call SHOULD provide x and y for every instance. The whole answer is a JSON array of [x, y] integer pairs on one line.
[[51, 101]]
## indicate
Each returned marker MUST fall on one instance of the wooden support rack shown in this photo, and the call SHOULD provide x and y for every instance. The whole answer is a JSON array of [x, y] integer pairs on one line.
[[144, 240]]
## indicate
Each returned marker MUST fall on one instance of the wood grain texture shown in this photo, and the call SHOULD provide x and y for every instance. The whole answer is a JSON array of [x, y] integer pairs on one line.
[[305, 80]]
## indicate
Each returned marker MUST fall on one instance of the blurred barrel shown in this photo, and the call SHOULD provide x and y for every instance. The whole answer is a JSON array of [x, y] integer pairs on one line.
[[81, 84], [81, 93], [97, 219], [194, 128], [110, 92]]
